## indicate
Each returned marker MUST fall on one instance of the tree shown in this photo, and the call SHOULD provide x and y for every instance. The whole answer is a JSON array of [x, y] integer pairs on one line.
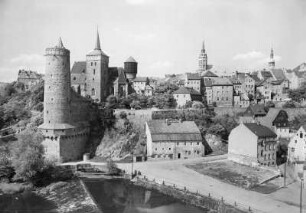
[[111, 102], [188, 105], [135, 104], [197, 105], [123, 115], [112, 167], [289, 104], [299, 94], [27, 155]]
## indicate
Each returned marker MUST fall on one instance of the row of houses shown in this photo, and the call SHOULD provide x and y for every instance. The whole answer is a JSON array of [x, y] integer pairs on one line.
[[253, 142], [241, 88]]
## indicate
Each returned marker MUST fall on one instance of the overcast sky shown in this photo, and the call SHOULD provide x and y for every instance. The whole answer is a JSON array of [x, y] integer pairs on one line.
[[164, 36]]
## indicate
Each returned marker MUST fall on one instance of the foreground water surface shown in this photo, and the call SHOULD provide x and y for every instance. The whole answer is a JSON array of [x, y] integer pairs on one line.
[[120, 196]]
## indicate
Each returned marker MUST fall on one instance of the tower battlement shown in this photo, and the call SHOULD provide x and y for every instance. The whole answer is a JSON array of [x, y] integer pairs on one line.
[[57, 51]]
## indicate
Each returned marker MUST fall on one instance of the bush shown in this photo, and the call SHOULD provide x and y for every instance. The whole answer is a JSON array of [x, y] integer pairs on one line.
[[112, 167], [289, 104], [123, 115]]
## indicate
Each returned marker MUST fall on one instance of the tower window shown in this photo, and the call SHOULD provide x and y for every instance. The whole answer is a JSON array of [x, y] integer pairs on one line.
[[94, 71]]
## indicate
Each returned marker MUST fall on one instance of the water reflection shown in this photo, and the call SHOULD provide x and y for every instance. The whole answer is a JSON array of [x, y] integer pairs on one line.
[[25, 202], [119, 196]]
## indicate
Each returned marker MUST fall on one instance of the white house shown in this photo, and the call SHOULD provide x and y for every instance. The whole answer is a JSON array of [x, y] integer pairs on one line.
[[173, 139]]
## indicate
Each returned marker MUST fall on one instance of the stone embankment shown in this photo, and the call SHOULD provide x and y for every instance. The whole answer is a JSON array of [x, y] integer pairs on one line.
[[69, 196], [207, 203]]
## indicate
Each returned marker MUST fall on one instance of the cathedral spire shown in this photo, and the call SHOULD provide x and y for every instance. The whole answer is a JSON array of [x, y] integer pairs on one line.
[[60, 43], [98, 47]]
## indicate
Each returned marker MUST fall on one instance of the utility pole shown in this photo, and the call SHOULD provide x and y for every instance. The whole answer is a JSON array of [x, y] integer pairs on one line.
[[285, 171], [132, 164], [301, 196]]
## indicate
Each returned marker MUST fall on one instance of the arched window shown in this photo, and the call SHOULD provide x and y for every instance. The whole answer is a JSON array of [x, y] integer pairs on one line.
[[93, 92]]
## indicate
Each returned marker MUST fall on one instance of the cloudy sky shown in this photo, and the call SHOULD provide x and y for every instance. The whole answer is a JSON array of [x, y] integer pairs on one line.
[[164, 36]]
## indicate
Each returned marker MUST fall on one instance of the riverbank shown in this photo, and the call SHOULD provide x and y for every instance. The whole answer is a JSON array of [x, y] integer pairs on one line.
[[206, 203], [70, 196]]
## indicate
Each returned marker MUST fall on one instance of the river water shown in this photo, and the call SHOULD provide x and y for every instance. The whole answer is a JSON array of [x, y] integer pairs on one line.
[[26, 202], [120, 196]]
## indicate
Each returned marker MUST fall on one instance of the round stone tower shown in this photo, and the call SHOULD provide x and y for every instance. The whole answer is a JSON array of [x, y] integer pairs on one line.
[[130, 68], [57, 98]]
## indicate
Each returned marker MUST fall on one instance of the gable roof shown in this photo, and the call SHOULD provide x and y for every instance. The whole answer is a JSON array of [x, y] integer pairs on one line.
[[266, 74], [193, 76], [141, 79], [221, 81], [260, 130], [255, 110], [278, 74], [121, 76], [270, 117], [78, 67], [185, 90], [174, 131], [208, 74]]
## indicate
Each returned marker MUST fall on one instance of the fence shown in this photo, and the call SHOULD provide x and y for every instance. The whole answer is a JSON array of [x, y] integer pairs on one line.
[[205, 200]]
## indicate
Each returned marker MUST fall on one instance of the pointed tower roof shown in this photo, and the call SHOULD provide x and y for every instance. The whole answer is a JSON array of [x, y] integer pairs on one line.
[[60, 43], [131, 59], [203, 47], [98, 47]]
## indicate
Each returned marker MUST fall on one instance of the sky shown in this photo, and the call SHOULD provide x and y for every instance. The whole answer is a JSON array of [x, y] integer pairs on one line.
[[164, 36]]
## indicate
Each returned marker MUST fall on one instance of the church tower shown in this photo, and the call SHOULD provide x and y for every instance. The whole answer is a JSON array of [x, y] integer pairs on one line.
[[97, 73], [203, 59], [271, 62]]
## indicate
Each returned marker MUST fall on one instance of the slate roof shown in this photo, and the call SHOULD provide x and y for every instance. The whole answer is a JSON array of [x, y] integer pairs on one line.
[[131, 59], [279, 74], [209, 74], [255, 110], [193, 76], [185, 90], [260, 130], [270, 117], [175, 131], [207, 82], [141, 79], [221, 81], [121, 76], [266, 74], [78, 67]]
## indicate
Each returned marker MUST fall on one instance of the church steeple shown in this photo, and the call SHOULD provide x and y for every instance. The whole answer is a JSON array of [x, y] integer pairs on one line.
[[271, 61], [203, 47], [98, 47]]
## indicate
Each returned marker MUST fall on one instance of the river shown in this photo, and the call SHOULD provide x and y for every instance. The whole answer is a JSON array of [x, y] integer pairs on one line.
[[120, 196]]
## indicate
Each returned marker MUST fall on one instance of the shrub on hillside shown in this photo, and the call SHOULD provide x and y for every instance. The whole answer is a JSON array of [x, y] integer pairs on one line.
[[112, 167]]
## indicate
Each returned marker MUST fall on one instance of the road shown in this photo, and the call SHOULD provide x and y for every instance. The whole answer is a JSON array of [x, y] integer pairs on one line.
[[175, 172]]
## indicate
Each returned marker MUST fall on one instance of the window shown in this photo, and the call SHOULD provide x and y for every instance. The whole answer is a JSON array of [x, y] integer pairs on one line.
[[94, 71], [74, 78], [91, 63], [93, 92], [301, 135], [185, 143], [95, 63]]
